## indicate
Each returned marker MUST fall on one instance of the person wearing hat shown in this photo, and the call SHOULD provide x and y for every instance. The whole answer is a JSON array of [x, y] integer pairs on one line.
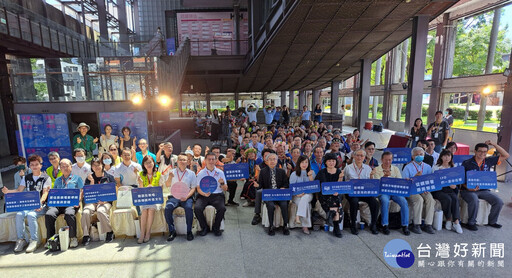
[[85, 141]]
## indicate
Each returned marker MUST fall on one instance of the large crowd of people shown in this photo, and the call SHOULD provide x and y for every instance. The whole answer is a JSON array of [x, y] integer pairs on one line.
[[278, 152]]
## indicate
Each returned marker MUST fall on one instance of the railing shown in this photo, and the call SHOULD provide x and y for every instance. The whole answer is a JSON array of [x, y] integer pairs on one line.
[[171, 70], [122, 49], [218, 47]]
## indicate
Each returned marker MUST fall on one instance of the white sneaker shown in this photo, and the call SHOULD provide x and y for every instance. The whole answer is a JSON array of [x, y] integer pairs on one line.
[[246, 204], [457, 228], [73, 243], [20, 245], [32, 246], [448, 225]]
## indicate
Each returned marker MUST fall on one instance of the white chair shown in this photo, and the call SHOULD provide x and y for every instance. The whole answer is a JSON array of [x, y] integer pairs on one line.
[[209, 213], [482, 217], [8, 227]]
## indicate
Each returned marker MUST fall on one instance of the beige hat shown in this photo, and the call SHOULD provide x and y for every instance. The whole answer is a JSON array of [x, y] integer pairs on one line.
[[83, 124]]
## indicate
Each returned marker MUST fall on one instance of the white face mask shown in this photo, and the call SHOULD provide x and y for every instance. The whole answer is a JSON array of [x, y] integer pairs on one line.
[[80, 159]]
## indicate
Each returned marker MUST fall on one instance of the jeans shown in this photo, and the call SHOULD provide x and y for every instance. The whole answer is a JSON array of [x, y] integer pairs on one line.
[[33, 227], [384, 209], [171, 205]]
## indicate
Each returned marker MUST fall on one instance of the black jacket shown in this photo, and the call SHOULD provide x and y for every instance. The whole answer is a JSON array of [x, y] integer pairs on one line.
[[281, 179]]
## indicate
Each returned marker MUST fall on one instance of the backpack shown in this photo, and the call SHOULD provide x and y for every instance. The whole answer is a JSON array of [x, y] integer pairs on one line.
[[249, 191], [53, 243]]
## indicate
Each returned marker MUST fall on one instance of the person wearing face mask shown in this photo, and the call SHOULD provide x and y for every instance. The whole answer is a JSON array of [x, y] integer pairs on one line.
[[81, 168], [428, 158], [21, 170], [108, 164], [424, 201], [269, 114]]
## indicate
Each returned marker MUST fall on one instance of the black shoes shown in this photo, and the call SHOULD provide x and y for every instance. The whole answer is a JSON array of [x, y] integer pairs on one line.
[[217, 233], [233, 203], [86, 240], [472, 227], [256, 219], [495, 225], [286, 231], [336, 229], [373, 229], [428, 229], [416, 229], [354, 230], [385, 230], [204, 231], [271, 231], [405, 230], [190, 236], [172, 236], [110, 236]]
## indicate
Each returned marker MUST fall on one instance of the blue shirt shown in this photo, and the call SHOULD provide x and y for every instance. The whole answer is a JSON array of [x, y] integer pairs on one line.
[[72, 182], [306, 115], [315, 166], [412, 168], [140, 157], [259, 146], [269, 116], [277, 116]]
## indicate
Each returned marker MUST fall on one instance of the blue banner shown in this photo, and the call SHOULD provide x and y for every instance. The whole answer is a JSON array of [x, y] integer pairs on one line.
[[152, 195], [305, 187], [136, 121], [64, 197], [425, 183], [450, 176], [19, 201], [105, 192], [276, 194], [340, 187], [482, 179], [400, 155], [458, 159], [236, 171], [365, 188], [395, 187]]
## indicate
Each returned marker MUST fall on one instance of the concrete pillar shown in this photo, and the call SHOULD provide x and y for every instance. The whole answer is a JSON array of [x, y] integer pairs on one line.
[[54, 79], [355, 100], [388, 81], [505, 130], [335, 95], [291, 99], [283, 98], [237, 99], [416, 69], [24, 83], [123, 21], [438, 69], [403, 60], [302, 99], [264, 99], [102, 20], [451, 34], [7, 116], [316, 98], [208, 104], [364, 93]]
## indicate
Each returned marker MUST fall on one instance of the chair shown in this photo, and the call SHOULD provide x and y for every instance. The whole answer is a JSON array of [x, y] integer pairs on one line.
[[8, 227], [482, 217], [209, 213]]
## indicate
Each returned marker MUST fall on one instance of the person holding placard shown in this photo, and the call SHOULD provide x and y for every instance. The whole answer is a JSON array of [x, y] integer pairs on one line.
[[102, 209], [389, 170], [448, 196], [331, 204], [149, 176], [423, 201], [480, 162], [66, 181], [359, 170], [303, 173], [272, 177], [35, 181], [232, 184], [183, 186], [80, 168], [53, 171], [215, 198]]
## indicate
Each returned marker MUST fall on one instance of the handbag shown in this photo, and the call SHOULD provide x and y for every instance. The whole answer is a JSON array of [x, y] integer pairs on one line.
[[53, 243], [124, 197]]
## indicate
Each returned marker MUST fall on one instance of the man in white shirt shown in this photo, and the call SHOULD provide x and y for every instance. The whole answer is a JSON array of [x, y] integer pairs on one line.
[[186, 176], [126, 173], [80, 168], [215, 199]]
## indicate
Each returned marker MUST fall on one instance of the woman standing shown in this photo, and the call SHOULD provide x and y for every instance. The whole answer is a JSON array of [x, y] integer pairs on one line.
[[303, 173], [448, 195], [331, 204], [286, 116], [107, 139], [418, 132], [216, 128], [127, 141], [318, 113], [149, 176]]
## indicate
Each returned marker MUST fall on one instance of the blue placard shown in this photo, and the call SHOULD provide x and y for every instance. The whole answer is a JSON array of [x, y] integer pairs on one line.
[[64, 197], [458, 159], [400, 155], [208, 184], [105, 192], [425, 183], [305, 187], [276, 194], [236, 171], [365, 188], [19, 201], [340, 187], [450, 176], [482, 179], [147, 196], [395, 187]]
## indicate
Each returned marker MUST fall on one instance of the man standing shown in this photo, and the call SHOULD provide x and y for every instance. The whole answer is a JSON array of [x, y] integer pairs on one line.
[[215, 199], [252, 110], [85, 141], [480, 162], [184, 175], [438, 131], [66, 181], [269, 115]]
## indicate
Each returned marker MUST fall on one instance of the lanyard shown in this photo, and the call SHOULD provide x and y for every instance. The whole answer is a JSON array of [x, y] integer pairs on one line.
[[150, 179], [66, 181], [319, 165], [417, 170], [481, 167], [360, 171], [214, 173], [178, 174], [166, 169]]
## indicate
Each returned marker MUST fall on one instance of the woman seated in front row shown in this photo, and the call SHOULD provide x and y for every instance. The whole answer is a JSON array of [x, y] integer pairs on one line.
[[303, 173]]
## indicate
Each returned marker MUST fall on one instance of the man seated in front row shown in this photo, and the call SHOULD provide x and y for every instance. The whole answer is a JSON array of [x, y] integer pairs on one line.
[[272, 177], [186, 176], [480, 162], [66, 181], [215, 199]]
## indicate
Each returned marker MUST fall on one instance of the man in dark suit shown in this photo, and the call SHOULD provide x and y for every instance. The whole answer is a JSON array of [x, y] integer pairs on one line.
[[272, 177]]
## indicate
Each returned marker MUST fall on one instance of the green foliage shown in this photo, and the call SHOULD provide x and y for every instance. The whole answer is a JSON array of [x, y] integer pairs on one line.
[[458, 113]]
